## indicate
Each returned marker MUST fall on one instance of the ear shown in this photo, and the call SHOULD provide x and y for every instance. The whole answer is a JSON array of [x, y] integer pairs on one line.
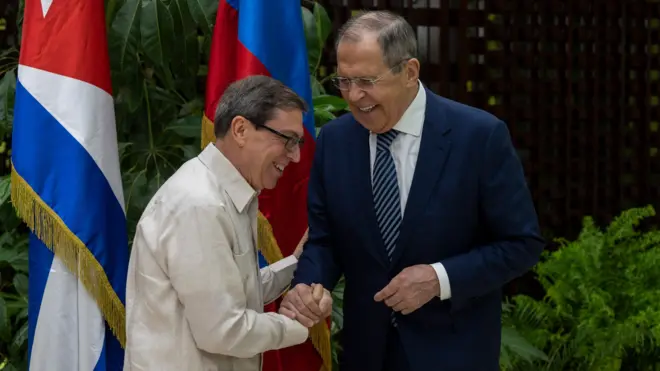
[[412, 71], [239, 128]]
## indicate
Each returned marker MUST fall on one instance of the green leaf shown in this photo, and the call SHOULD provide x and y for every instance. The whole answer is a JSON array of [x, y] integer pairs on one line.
[[20, 261], [5, 189], [129, 89], [329, 103], [5, 327], [157, 31], [111, 7], [187, 127], [321, 116], [124, 43], [323, 24], [317, 88], [314, 48], [516, 344], [20, 339], [7, 89], [203, 12], [10, 367], [21, 284], [124, 36], [186, 46]]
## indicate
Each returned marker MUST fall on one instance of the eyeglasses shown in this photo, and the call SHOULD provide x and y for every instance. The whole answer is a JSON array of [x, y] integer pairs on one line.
[[363, 83], [291, 141]]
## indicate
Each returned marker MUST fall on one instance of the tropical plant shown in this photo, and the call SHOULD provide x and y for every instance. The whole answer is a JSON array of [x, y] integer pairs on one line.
[[601, 311], [13, 285]]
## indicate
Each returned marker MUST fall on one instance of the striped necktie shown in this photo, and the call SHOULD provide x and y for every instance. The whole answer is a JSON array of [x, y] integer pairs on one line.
[[386, 192]]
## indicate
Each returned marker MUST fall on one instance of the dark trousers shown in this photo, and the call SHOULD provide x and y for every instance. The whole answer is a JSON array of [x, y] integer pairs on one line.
[[395, 358]]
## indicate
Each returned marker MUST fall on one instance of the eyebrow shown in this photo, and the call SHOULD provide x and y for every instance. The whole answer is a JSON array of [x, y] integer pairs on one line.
[[358, 77]]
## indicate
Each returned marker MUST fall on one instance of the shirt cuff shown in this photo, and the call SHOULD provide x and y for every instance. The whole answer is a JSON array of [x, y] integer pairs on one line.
[[285, 263], [443, 278]]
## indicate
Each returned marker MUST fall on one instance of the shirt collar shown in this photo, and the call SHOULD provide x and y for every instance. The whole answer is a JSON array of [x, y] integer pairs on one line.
[[412, 120], [239, 190]]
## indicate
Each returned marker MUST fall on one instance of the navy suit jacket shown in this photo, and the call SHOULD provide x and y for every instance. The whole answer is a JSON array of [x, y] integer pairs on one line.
[[469, 207]]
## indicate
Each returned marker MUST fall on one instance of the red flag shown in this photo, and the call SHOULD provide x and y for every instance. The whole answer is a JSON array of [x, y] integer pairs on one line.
[[266, 37]]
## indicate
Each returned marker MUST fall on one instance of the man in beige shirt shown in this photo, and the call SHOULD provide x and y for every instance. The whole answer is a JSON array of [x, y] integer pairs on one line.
[[195, 295]]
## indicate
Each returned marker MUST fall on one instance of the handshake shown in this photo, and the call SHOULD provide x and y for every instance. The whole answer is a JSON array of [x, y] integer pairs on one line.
[[307, 304]]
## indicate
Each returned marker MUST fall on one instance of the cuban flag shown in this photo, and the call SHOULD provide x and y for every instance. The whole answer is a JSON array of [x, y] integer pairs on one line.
[[66, 186]]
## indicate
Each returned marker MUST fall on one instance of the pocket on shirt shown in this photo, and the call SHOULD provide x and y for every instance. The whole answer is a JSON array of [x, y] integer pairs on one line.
[[245, 263]]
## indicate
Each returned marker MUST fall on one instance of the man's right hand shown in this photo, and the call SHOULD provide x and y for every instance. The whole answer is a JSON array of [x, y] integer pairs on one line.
[[307, 304]]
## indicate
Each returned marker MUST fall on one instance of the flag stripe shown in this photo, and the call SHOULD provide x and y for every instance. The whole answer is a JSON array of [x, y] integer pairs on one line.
[[74, 105], [67, 179], [41, 259], [70, 40], [282, 51], [64, 290], [243, 63]]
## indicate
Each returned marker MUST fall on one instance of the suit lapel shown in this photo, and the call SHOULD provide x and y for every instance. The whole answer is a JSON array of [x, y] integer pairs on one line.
[[360, 168], [433, 153]]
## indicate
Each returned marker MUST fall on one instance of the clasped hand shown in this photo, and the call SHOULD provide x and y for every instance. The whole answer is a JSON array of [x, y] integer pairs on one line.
[[307, 304]]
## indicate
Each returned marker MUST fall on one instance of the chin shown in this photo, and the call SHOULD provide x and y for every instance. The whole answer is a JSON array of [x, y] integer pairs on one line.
[[270, 185]]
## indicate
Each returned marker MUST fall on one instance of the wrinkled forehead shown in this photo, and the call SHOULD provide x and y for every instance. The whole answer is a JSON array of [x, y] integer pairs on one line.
[[363, 58]]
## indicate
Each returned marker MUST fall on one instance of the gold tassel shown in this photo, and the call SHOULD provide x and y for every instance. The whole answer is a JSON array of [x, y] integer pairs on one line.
[[320, 333], [266, 240], [55, 234], [208, 132]]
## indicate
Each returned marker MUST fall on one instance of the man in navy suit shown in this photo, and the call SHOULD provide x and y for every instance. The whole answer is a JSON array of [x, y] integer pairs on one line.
[[421, 203]]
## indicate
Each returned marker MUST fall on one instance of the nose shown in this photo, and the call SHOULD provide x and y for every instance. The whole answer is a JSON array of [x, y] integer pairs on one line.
[[354, 93], [294, 155]]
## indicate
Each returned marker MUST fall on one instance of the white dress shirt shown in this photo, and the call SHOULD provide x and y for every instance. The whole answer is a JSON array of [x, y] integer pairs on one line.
[[405, 149], [195, 295]]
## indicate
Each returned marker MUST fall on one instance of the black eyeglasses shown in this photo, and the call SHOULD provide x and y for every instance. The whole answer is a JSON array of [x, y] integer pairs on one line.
[[291, 141]]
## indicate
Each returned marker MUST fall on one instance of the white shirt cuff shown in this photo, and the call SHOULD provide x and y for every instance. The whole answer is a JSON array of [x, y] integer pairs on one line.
[[443, 278]]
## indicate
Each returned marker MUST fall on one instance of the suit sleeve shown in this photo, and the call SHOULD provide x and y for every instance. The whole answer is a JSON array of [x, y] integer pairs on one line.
[[205, 274], [318, 263], [507, 212]]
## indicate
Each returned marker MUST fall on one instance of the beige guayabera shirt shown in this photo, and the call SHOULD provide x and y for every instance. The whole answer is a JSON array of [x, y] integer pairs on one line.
[[195, 294]]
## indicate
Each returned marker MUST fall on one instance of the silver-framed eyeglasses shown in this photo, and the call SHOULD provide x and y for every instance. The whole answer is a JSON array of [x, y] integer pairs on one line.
[[363, 83]]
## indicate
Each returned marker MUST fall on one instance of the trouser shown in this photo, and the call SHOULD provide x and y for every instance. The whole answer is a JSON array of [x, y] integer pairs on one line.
[[395, 356]]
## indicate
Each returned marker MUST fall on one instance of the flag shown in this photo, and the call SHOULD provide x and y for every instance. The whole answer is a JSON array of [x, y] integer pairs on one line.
[[266, 37], [66, 186]]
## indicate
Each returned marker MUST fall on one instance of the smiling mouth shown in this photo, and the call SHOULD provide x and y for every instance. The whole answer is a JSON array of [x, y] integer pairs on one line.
[[367, 109], [279, 168]]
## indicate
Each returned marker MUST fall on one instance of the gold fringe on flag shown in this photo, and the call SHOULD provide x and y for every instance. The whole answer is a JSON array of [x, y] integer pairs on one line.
[[208, 133], [320, 333], [55, 234]]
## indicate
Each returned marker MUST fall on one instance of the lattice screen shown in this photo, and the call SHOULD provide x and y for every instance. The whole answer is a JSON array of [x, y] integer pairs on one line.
[[578, 82]]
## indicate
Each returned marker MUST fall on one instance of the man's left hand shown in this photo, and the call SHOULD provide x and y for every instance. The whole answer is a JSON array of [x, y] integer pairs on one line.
[[410, 289]]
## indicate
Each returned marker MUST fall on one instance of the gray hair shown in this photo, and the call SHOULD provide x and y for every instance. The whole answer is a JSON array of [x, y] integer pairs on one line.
[[256, 98], [395, 35]]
